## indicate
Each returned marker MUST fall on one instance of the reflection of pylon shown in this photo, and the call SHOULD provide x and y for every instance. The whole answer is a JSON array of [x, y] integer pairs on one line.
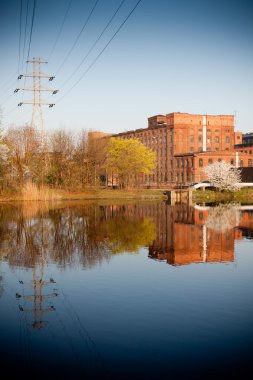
[[37, 298], [37, 88]]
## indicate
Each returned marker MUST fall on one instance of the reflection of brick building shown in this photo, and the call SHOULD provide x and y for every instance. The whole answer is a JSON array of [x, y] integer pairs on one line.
[[191, 241], [180, 133], [182, 235]]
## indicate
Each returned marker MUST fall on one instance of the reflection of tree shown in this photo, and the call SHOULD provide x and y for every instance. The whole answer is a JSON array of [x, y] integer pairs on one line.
[[71, 236], [125, 235], [223, 217]]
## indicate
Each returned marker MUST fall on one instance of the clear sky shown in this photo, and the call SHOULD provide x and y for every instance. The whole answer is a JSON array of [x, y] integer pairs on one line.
[[181, 55]]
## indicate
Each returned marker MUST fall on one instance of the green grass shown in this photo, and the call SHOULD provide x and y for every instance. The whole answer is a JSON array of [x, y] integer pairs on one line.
[[242, 196], [98, 194]]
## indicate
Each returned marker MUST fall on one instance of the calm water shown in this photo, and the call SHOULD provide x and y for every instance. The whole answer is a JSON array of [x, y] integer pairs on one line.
[[140, 291]]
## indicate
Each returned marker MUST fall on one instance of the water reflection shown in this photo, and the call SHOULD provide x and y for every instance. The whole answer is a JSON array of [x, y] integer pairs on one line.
[[54, 274], [88, 234], [202, 234]]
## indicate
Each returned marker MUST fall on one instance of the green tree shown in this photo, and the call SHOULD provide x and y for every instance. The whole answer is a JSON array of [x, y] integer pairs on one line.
[[127, 159], [124, 235]]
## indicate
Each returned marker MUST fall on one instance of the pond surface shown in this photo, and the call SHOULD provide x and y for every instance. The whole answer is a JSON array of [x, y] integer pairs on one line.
[[140, 291]]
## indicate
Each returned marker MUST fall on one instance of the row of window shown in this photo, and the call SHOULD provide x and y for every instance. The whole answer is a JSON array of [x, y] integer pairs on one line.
[[209, 140], [210, 161]]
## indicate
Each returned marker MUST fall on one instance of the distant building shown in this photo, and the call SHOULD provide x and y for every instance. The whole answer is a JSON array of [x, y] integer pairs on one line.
[[189, 167], [177, 134], [247, 138]]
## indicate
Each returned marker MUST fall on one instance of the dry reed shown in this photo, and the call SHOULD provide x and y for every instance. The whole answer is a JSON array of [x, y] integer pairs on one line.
[[31, 192]]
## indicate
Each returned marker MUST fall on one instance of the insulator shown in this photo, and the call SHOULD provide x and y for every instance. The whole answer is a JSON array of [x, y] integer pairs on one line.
[[20, 104], [17, 89]]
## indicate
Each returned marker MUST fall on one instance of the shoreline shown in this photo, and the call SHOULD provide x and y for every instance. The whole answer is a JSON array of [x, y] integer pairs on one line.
[[198, 196], [103, 194]]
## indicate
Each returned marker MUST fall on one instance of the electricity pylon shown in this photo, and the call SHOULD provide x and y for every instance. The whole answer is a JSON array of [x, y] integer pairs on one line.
[[38, 297], [37, 75]]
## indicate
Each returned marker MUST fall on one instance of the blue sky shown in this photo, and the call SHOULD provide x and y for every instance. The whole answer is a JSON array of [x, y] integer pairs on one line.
[[169, 56]]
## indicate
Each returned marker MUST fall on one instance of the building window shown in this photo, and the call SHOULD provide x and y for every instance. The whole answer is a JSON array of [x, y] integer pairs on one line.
[[208, 140], [216, 139], [200, 162], [241, 163], [238, 137], [227, 131], [227, 140], [219, 159], [210, 161], [232, 162], [191, 149], [191, 138], [250, 162], [200, 138]]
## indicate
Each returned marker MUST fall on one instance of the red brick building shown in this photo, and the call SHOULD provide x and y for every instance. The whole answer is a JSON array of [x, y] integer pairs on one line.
[[176, 134], [189, 167]]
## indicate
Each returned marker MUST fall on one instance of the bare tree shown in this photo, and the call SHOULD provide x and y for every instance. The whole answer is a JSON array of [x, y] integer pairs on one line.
[[62, 149], [24, 149]]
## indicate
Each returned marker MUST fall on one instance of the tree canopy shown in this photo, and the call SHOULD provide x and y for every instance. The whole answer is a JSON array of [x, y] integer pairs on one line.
[[223, 175], [128, 158]]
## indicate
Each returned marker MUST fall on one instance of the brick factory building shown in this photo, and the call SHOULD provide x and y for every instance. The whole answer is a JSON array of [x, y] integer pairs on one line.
[[189, 167], [189, 137]]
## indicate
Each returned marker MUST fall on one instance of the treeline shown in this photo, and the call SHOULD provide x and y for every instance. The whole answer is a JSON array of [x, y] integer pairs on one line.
[[60, 159]]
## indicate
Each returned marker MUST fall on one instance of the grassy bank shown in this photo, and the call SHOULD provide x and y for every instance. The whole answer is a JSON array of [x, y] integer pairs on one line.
[[31, 194], [205, 196]]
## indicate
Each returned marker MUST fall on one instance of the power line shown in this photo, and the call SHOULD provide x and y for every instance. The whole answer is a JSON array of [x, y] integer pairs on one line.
[[30, 39], [20, 33], [60, 30], [8, 97], [95, 43], [12, 83], [78, 36], [26, 17], [102, 51], [31, 31]]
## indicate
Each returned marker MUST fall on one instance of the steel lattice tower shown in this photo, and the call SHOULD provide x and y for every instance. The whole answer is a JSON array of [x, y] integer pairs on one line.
[[37, 102]]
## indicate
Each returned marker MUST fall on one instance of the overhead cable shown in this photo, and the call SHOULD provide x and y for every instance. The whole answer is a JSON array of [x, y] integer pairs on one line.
[[78, 36], [60, 30], [24, 43], [102, 51], [20, 32], [95, 43]]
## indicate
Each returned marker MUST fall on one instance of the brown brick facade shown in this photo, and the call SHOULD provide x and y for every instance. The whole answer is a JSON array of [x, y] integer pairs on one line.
[[176, 134], [189, 167]]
